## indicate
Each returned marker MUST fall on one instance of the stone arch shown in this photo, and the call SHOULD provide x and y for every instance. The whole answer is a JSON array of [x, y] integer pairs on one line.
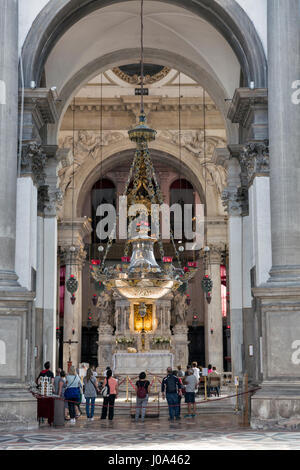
[[228, 18], [123, 152], [200, 74]]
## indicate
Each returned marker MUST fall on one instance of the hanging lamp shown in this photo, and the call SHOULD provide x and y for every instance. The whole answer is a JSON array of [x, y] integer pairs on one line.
[[140, 277]]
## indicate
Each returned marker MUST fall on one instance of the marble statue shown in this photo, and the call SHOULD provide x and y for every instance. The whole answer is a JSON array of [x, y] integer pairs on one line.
[[105, 308], [180, 309]]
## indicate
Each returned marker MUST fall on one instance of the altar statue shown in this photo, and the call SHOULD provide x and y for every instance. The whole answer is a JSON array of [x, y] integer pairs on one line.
[[180, 309], [105, 308]]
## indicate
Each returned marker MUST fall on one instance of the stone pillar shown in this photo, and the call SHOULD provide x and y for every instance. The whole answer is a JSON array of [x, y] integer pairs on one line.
[[72, 235], [278, 400], [213, 313], [284, 70], [232, 201], [17, 316], [8, 138]]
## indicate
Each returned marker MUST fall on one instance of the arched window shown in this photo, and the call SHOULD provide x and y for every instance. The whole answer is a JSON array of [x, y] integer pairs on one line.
[[181, 193], [103, 192]]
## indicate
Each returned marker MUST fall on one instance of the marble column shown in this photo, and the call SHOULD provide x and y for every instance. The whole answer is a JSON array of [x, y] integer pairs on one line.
[[284, 133], [213, 313], [8, 138], [73, 312], [278, 401], [232, 201], [73, 234], [17, 316]]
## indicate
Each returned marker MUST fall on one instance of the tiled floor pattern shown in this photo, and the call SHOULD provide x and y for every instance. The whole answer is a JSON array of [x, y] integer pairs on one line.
[[215, 431]]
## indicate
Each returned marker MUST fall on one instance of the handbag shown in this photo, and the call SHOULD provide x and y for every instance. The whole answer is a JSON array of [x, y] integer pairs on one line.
[[105, 390], [72, 393]]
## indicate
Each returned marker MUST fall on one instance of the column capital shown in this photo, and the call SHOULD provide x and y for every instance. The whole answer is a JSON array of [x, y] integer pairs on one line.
[[75, 256], [254, 160], [74, 232], [216, 252], [33, 162]]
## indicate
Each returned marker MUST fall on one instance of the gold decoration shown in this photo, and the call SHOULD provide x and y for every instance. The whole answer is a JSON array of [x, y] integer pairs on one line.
[[147, 321]]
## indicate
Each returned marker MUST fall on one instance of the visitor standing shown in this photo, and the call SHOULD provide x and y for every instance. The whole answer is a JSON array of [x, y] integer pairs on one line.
[[57, 380], [72, 392], [191, 385], [142, 395], [171, 389], [46, 373], [196, 370], [175, 372], [90, 390], [112, 394], [180, 372]]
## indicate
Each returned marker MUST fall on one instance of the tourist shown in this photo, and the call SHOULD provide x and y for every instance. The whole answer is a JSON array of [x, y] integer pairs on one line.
[[175, 372], [90, 390], [105, 372], [180, 372], [214, 387], [191, 386], [196, 370], [45, 373], [57, 380], [142, 395], [109, 400], [61, 392], [209, 369], [171, 389], [72, 392]]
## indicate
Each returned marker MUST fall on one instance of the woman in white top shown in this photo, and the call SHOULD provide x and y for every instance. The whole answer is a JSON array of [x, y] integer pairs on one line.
[[73, 381]]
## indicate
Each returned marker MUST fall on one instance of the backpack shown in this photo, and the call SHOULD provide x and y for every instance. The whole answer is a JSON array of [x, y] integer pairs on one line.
[[141, 391], [171, 384]]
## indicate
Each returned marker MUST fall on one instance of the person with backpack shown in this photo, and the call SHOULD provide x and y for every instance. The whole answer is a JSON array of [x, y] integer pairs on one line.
[[171, 389], [142, 395], [109, 393]]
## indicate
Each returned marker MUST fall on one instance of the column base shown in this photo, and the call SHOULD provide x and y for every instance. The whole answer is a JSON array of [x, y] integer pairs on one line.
[[276, 407], [18, 409], [285, 275], [9, 280]]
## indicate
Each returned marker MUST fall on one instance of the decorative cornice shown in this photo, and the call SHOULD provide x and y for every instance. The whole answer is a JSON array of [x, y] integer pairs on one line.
[[243, 100], [136, 80]]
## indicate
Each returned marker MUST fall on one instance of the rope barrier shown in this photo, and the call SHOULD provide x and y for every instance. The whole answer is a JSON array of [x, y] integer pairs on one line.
[[202, 402]]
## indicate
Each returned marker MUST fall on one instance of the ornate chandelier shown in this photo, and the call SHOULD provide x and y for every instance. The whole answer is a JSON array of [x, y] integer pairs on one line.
[[140, 277]]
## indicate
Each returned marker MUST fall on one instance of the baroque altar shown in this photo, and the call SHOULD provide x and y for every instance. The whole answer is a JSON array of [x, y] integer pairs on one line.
[[121, 344]]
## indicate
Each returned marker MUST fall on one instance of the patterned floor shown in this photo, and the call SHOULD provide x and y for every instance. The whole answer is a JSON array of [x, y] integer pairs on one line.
[[204, 432]]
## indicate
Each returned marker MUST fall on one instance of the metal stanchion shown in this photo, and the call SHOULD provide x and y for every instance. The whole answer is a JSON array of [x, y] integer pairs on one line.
[[127, 389], [155, 388], [246, 402], [236, 383], [205, 388]]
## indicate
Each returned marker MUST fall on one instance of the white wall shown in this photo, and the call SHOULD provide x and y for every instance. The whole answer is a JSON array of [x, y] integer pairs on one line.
[[257, 12], [28, 11]]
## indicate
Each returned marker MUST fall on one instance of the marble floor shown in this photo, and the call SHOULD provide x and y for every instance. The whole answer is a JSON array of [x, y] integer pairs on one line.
[[211, 431]]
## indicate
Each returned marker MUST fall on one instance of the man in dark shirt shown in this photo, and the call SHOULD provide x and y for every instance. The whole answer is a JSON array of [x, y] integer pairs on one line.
[[46, 373], [171, 388]]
